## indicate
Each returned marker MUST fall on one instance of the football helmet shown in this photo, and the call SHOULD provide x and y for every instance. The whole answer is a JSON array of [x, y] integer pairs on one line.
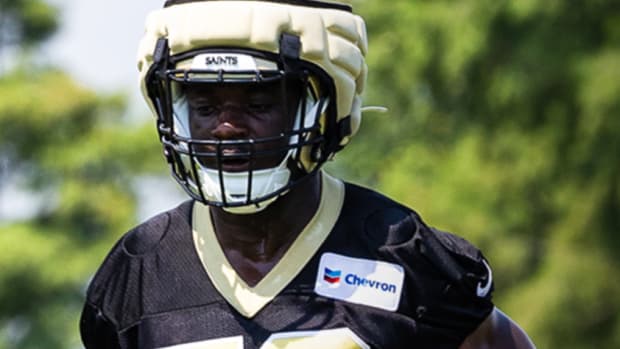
[[313, 50]]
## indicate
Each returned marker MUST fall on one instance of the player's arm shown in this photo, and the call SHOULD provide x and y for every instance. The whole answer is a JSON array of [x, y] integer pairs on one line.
[[498, 331]]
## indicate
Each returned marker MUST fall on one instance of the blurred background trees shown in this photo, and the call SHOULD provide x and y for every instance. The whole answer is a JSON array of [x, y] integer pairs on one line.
[[79, 151], [503, 127]]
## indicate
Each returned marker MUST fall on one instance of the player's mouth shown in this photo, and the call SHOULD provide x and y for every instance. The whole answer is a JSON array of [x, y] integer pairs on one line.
[[235, 165], [240, 159], [234, 160]]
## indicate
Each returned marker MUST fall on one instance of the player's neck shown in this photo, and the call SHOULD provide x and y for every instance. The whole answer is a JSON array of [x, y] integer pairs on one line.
[[254, 243]]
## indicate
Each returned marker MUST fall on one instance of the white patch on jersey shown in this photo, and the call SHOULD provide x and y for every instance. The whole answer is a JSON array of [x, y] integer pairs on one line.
[[482, 291], [361, 281], [218, 343]]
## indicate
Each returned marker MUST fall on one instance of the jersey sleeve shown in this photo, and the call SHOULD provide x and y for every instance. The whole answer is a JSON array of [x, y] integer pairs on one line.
[[455, 285], [114, 298], [100, 321], [448, 283], [96, 330], [111, 300]]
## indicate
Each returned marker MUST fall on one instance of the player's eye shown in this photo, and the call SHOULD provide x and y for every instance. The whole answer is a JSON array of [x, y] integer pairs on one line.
[[205, 110], [260, 107]]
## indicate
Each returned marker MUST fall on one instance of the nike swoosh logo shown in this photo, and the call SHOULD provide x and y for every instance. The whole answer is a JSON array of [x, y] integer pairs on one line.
[[482, 291]]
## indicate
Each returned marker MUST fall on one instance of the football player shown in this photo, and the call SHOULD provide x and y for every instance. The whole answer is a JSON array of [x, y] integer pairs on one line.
[[251, 99]]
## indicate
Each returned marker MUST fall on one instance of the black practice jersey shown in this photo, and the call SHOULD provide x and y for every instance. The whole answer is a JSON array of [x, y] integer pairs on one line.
[[368, 273]]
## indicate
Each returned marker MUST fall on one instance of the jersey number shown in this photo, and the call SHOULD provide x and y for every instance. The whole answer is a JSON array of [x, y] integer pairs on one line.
[[340, 338]]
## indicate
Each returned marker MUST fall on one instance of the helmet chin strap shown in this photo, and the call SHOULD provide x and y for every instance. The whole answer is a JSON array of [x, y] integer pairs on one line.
[[250, 209], [236, 184]]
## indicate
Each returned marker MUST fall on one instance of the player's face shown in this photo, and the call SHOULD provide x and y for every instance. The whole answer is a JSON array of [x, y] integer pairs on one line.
[[241, 112]]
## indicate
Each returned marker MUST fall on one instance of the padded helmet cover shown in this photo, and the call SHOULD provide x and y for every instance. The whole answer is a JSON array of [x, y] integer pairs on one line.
[[331, 38]]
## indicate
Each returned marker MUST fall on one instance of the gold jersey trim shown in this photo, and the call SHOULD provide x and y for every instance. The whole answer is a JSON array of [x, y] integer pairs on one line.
[[250, 300]]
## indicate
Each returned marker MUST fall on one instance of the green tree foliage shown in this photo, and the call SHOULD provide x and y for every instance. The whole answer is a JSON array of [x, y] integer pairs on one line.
[[25, 23], [504, 127], [77, 148]]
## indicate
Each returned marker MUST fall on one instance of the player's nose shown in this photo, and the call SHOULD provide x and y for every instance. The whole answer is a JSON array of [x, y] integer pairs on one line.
[[231, 124]]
